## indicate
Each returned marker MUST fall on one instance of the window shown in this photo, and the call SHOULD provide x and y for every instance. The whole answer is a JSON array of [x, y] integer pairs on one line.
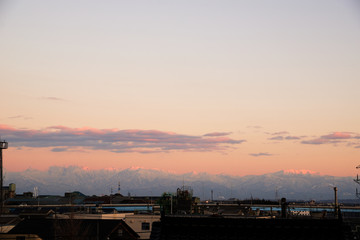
[[145, 226], [119, 232]]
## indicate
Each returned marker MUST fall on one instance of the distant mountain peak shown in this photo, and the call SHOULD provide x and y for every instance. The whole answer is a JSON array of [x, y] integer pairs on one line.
[[300, 171]]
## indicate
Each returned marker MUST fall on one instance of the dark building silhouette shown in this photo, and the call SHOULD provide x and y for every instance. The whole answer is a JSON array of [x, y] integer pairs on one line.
[[191, 227], [89, 229]]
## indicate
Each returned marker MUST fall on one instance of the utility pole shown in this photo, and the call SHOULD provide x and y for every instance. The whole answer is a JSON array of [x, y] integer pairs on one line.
[[171, 204], [357, 180], [3, 145], [336, 207]]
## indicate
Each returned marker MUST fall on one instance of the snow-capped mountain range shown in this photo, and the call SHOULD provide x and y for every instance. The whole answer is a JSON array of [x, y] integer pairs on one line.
[[293, 184]]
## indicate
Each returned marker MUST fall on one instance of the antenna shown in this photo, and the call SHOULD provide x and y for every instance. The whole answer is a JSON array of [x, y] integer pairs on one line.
[[183, 184], [203, 194], [119, 187], [36, 194]]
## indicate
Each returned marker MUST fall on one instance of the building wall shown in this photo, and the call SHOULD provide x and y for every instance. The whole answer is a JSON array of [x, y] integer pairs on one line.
[[140, 222]]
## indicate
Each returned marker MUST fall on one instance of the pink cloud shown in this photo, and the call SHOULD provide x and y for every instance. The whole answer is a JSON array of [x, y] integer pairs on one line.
[[335, 137], [255, 126], [20, 117], [260, 154], [316, 141], [58, 149], [62, 138], [278, 138], [280, 133], [217, 134], [53, 98], [292, 138]]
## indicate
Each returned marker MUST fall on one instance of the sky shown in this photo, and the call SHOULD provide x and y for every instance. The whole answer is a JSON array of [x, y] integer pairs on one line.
[[224, 87]]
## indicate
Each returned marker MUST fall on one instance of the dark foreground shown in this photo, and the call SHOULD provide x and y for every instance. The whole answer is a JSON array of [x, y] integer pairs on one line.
[[185, 228]]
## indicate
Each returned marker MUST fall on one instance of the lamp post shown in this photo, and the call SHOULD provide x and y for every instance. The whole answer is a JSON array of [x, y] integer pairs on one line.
[[3, 145]]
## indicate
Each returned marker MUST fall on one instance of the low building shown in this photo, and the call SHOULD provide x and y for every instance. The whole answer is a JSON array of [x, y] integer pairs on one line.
[[8, 222], [142, 223], [9, 191], [89, 229]]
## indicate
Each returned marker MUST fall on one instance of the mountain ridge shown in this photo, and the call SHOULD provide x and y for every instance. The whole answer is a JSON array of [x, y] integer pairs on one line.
[[294, 184]]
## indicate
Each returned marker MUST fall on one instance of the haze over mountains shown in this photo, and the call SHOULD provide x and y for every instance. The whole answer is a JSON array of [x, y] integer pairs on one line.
[[300, 185]]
